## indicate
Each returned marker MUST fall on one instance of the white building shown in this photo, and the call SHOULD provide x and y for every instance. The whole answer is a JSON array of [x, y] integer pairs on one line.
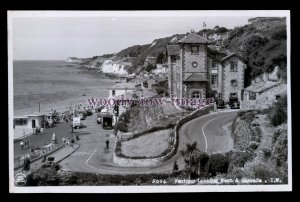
[[160, 69], [24, 125], [121, 89], [115, 67]]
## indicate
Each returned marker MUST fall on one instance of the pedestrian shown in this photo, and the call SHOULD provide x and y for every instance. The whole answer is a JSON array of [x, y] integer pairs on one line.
[[22, 145], [107, 143], [77, 138], [63, 140], [67, 142], [175, 166], [53, 139], [72, 142], [44, 156]]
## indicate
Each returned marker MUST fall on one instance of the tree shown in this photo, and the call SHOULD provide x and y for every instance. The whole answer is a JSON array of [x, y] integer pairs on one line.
[[191, 155], [160, 58], [150, 67]]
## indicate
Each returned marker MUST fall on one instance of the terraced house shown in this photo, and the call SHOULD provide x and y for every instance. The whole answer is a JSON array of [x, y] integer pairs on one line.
[[198, 70]]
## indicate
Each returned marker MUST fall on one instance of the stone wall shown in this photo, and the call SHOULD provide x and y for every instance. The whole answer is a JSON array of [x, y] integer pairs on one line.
[[233, 75], [151, 162], [265, 99], [200, 58]]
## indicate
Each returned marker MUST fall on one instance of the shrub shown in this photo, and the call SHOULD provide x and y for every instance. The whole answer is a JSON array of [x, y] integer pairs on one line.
[[264, 171], [267, 153], [236, 173], [238, 159], [44, 177], [218, 163], [279, 34], [253, 145], [278, 116], [280, 151]]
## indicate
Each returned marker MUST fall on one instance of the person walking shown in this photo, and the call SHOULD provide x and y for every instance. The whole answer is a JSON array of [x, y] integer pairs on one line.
[[175, 166], [53, 139], [107, 143], [72, 142], [44, 156]]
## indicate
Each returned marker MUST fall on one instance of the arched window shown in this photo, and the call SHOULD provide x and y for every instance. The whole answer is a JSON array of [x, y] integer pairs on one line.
[[233, 66], [196, 94]]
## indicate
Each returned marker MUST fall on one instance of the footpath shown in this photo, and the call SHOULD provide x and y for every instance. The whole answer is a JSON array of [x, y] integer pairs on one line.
[[58, 155]]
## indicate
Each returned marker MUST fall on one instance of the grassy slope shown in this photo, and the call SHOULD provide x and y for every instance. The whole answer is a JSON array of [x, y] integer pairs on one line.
[[264, 43]]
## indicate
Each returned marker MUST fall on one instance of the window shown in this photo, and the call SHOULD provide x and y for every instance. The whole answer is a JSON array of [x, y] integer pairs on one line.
[[233, 66], [252, 95], [214, 63], [20, 122], [214, 79], [194, 64], [233, 95], [196, 94], [234, 82], [194, 49]]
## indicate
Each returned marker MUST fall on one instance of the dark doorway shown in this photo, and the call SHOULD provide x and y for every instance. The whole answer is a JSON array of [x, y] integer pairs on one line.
[[33, 123]]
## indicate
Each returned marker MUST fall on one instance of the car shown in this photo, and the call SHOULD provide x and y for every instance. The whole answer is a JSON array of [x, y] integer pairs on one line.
[[89, 112], [77, 122], [220, 104], [107, 122], [234, 103], [104, 111]]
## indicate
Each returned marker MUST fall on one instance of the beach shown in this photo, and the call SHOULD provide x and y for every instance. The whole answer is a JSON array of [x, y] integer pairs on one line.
[[55, 85]]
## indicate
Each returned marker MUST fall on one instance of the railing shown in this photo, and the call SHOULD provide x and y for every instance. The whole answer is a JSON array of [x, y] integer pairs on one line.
[[36, 154]]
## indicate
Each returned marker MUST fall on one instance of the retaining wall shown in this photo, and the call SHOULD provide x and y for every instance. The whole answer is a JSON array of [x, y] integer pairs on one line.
[[151, 162]]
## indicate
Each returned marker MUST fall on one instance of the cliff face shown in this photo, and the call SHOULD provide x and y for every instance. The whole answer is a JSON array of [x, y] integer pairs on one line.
[[115, 67], [262, 42]]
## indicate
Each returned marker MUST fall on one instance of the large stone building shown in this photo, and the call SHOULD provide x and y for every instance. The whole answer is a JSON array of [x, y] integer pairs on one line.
[[198, 70]]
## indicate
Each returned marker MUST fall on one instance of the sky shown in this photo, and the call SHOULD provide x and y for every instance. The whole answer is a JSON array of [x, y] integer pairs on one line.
[[56, 38]]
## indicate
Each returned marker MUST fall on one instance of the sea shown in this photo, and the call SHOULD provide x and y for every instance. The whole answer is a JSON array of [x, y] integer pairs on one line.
[[54, 85]]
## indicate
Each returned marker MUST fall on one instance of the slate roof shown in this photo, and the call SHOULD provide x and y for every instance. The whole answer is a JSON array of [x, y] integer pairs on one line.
[[193, 38], [194, 77], [231, 55], [262, 86]]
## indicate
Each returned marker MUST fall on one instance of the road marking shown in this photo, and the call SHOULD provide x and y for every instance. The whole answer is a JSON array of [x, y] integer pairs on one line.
[[90, 157], [121, 172], [206, 125], [143, 172]]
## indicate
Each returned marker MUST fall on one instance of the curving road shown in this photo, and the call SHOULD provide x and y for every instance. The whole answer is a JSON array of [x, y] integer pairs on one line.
[[211, 132]]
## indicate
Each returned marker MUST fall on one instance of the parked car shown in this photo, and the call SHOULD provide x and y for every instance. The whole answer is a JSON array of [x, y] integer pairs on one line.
[[98, 109], [220, 104], [89, 112], [234, 103], [77, 122], [107, 121]]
